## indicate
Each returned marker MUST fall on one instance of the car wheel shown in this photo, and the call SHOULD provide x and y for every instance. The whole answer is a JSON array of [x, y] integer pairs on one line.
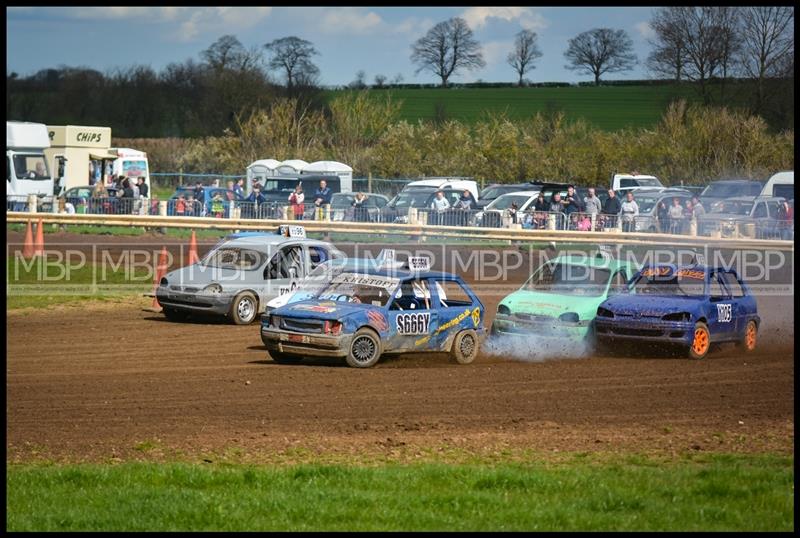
[[750, 338], [175, 315], [365, 349], [284, 358], [701, 343], [244, 308], [465, 347]]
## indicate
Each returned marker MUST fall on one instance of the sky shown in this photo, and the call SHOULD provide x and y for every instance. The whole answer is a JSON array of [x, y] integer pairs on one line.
[[376, 40]]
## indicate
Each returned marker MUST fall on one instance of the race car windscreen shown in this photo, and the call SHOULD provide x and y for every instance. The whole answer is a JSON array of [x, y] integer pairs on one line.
[[367, 289], [659, 281], [234, 258], [567, 279]]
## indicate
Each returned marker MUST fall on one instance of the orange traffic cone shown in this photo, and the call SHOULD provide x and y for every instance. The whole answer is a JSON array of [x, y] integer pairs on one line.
[[161, 270], [192, 257], [27, 246], [38, 246]]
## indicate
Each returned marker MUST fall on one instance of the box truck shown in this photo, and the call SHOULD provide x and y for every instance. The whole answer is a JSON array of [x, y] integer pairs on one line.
[[27, 170]]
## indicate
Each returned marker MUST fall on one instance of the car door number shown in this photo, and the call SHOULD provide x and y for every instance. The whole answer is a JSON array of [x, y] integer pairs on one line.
[[413, 323], [724, 313]]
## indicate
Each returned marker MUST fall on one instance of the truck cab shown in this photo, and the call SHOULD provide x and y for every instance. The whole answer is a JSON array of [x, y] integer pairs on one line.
[[26, 166]]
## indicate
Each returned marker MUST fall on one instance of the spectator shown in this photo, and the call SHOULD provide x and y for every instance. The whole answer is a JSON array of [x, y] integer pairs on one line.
[[134, 187], [465, 201], [584, 223], [572, 202], [675, 216], [540, 209], [322, 196], [629, 210], [612, 205], [440, 203], [697, 208], [40, 171], [239, 187], [190, 205], [215, 183], [180, 206], [230, 194], [198, 192], [255, 195], [360, 213], [512, 212], [784, 218], [99, 190], [143, 189], [592, 203], [662, 216], [556, 204], [217, 205], [296, 202], [127, 195]]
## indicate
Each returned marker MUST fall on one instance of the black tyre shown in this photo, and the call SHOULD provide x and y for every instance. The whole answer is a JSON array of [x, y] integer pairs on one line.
[[466, 346], [365, 349], [284, 358], [244, 309], [701, 343]]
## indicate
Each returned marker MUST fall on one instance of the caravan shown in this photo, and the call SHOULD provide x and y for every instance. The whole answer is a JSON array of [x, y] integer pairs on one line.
[[27, 171]]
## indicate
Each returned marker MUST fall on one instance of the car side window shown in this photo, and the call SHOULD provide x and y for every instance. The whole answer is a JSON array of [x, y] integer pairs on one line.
[[287, 263], [618, 283], [316, 256], [412, 295], [732, 283], [715, 289]]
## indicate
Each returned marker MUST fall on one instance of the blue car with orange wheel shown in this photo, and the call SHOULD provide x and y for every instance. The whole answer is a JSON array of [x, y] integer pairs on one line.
[[695, 307]]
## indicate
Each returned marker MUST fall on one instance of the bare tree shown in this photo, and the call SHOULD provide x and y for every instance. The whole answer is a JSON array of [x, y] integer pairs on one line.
[[729, 43], [227, 52], [526, 51], [767, 46], [446, 48], [668, 57], [293, 55], [600, 51], [359, 83], [380, 81], [398, 78]]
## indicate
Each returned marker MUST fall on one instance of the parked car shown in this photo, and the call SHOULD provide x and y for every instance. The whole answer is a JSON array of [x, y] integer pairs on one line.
[[648, 199], [420, 194], [342, 207], [241, 274], [748, 216], [695, 307], [561, 297], [361, 315], [717, 191], [495, 190], [82, 199], [492, 215]]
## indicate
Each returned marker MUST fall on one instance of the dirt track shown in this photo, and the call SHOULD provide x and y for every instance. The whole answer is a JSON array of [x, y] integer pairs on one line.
[[112, 381]]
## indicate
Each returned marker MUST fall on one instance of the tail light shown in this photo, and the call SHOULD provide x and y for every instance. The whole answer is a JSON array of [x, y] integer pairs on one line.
[[332, 327]]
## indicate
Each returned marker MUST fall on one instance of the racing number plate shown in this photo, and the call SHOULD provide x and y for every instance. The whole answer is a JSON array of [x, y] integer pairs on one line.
[[413, 323]]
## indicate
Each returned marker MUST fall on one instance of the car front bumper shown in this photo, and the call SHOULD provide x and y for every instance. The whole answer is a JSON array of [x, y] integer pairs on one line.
[[657, 331], [511, 325], [194, 301], [311, 345]]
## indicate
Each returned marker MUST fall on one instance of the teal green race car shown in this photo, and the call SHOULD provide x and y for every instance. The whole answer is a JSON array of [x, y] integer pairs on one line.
[[561, 297]]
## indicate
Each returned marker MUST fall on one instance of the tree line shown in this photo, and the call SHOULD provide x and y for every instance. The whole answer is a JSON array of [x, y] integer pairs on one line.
[[706, 46]]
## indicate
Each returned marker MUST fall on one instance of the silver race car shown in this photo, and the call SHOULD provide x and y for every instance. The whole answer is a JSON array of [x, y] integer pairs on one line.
[[242, 273]]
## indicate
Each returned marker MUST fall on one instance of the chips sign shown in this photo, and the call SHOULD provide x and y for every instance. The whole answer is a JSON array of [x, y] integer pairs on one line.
[[292, 231]]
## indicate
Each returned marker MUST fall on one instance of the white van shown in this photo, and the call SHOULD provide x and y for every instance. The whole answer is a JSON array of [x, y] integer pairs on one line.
[[26, 165], [623, 183], [131, 163], [781, 185]]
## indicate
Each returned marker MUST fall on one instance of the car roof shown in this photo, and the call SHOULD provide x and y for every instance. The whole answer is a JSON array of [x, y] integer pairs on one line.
[[753, 199], [405, 274], [439, 183], [264, 240], [520, 193], [736, 181]]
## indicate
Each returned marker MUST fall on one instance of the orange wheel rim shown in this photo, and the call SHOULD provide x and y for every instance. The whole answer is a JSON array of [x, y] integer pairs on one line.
[[700, 341], [750, 336]]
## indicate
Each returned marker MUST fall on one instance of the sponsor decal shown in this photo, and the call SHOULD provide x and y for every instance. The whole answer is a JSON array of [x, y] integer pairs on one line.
[[418, 323], [724, 313], [657, 271], [476, 316], [445, 326], [692, 273], [367, 280], [324, 309], [378, 320]]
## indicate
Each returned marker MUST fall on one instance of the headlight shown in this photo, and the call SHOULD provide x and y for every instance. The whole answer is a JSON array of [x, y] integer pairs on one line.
[[503, 309], [678, 316], [604, 312], [569, 317], [213, 288], [163, 282], [275, 321]]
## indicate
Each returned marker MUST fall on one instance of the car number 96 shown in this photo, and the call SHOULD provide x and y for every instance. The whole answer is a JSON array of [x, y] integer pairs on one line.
[[413, 323]]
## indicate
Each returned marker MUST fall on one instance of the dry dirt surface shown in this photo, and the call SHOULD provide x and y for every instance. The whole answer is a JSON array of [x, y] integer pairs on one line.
[[111, 381]]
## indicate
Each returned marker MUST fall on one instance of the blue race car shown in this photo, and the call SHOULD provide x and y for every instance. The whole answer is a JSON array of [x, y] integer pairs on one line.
[[695, 306], [363, 314]]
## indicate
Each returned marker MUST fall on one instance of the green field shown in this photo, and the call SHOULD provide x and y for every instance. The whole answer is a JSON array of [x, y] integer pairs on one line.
[[710, 493], [606, 107]]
